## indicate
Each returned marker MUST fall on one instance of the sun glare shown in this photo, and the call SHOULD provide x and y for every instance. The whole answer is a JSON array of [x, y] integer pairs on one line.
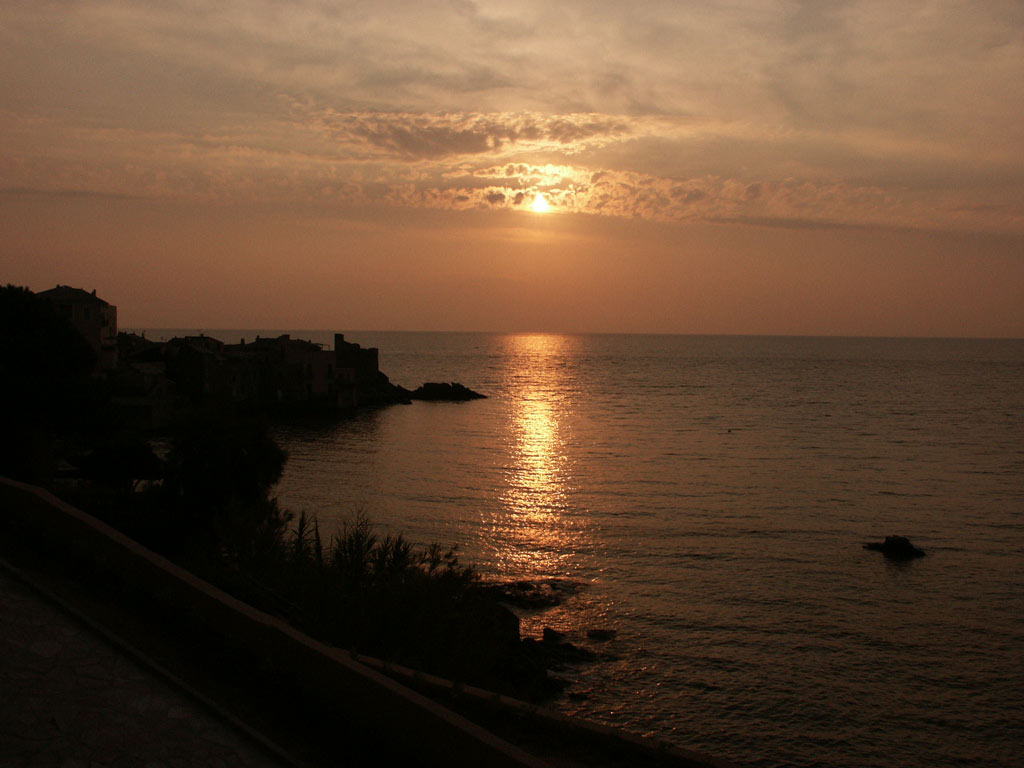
[[540, 204]]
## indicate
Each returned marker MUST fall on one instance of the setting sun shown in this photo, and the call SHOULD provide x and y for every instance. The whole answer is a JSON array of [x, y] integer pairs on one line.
[[540, 204]]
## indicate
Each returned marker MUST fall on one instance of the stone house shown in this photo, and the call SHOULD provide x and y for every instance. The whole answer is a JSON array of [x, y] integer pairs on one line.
[[92, 317]]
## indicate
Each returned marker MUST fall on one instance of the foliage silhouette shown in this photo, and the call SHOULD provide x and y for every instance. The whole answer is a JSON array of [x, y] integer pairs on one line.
[[213, 508], [47, 387], [385, 596]]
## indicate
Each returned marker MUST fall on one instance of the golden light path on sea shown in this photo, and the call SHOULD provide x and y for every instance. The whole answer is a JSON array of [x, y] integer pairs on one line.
[[540, 530]]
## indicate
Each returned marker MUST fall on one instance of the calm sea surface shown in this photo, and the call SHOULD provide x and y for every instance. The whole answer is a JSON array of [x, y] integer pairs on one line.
[[709, 497]]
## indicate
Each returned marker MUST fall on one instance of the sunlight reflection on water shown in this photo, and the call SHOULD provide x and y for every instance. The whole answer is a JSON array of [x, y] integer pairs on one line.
[[534, 532]]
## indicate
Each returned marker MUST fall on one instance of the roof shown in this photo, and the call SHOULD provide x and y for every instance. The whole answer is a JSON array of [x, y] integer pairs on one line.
[[65, 294]]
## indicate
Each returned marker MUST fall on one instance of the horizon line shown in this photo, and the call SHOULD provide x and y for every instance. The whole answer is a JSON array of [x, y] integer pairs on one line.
[[279, 331]]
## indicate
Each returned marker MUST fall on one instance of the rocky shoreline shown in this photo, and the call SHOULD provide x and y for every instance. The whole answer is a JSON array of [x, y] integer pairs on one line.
[[541, 660]]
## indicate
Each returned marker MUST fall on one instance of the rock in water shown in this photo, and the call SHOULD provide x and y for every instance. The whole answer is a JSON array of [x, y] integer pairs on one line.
[[433, 390], [553, 635], [532, 595], [896, 548]]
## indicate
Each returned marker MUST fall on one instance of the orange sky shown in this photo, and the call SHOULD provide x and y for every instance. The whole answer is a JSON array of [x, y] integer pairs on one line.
[[747, 167]]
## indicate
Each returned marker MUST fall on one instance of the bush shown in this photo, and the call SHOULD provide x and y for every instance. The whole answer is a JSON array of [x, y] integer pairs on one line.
[[386, 597]]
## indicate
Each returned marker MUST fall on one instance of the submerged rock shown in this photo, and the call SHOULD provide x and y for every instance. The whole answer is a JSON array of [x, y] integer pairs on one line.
[[532, 595], [453, 391], [557, 654], [552, 635], [601, 635], [896, 548]]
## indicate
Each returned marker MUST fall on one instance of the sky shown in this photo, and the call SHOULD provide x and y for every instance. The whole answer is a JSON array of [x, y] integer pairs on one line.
[[759, 166]]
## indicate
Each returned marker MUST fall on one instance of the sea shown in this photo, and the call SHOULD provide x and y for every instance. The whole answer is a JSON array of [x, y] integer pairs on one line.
[[703, 501]]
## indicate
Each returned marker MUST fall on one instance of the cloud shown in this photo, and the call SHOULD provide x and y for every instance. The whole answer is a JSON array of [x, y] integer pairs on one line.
[[241, 165], [783, 223], [65, 193], [548, 175], [852, 112], [431, 136], [789, 204]]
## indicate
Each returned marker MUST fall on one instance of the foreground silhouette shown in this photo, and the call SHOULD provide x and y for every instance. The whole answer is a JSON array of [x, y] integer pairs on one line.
[[206, 501]]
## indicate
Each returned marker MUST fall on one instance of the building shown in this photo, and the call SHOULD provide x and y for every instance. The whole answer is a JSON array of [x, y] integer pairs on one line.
[[277, 372], [92, 317], [291, 370]]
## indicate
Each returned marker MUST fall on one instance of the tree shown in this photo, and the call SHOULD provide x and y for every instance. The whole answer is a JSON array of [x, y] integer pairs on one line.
[[216, 489], [47, 385]]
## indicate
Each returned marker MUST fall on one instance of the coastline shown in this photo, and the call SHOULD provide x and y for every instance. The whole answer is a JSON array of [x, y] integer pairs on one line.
[[386, 712]]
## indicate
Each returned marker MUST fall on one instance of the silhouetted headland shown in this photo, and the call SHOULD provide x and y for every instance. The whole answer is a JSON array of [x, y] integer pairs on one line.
[[91, 403], [278, 375]]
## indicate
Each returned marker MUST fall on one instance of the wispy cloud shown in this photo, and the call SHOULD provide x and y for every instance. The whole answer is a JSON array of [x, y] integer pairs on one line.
[[432, 136], [66, 193]]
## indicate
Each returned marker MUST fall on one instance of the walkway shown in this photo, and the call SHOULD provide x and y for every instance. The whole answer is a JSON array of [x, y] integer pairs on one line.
[[68, 697]]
